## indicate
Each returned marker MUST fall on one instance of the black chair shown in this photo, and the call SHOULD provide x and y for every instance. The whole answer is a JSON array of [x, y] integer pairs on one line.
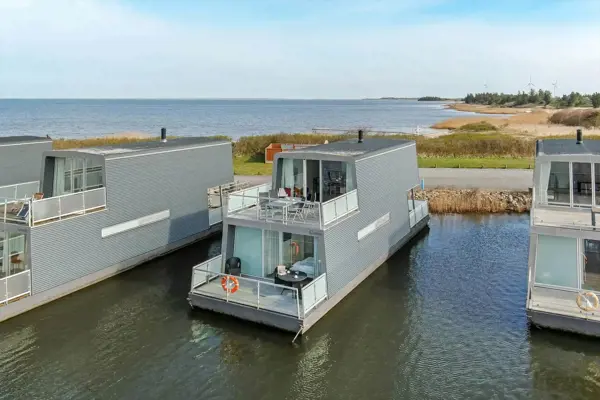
[[233, 266]]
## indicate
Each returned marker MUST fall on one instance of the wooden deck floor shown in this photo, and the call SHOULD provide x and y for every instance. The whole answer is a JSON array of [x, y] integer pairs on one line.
[[308, 218]]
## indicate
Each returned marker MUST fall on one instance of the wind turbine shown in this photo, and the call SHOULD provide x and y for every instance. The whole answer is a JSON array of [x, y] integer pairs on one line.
[[555, 84], [530, 85]]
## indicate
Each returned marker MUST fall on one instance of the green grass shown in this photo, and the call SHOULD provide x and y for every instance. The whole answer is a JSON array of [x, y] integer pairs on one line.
[[256, 166], [464, 162], [244, 165]]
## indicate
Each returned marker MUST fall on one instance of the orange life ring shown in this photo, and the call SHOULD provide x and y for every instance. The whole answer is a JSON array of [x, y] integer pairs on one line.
[[226, 283], [295, 246]]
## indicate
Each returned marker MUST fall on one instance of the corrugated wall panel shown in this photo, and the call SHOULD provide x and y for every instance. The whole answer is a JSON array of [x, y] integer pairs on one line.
[[382, 182], [22, 162], [136, 186]]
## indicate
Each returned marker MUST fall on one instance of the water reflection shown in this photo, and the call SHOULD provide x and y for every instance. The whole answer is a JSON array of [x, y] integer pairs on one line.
[[443, 318]]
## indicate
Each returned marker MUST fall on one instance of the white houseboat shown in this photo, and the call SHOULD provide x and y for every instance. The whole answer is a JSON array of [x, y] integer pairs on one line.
[[564, 249], [295, 247]]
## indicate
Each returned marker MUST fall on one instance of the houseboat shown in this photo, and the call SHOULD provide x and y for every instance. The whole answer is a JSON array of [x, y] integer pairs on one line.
[[564, 246], [98, 211], [295, 247]]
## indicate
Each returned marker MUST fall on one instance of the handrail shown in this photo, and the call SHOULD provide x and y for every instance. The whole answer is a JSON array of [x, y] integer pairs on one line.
[[314, 293], [15, 189], [248, 295], [339, 206], [43, 207], [5, 282]]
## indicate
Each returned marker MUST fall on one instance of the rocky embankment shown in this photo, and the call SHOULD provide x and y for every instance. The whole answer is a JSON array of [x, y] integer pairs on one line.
[[474, 201]]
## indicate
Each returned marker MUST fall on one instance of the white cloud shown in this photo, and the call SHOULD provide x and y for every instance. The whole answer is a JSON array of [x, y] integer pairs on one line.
[[94, 48]]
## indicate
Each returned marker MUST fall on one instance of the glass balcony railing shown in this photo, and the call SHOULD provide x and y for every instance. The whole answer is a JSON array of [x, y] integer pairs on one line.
[[257, 203]]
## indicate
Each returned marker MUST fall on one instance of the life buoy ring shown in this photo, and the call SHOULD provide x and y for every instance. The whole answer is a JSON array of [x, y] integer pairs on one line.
[[585, 297], [230, 284], [295, 245]]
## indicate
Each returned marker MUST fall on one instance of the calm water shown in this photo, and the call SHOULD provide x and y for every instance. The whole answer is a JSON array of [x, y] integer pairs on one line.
[[235, 118], [443, 318]]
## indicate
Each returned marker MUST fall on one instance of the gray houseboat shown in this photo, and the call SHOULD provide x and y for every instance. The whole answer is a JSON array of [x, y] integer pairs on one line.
[[99, 211], [564, 248], [293, 248]]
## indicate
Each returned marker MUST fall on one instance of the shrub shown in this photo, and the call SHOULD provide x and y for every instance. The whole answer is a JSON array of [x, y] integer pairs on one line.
[[482, 126]]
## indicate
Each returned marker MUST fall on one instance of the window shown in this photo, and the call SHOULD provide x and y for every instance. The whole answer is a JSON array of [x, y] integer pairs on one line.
[[247, 246], [591, 265], [338, 179], [72, 175], [582, 183], [597, 182], [12, 254], [299, 253], [559, 183], [556, 261]]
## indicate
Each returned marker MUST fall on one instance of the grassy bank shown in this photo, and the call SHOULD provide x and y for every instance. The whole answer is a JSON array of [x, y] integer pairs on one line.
[[450, 201]]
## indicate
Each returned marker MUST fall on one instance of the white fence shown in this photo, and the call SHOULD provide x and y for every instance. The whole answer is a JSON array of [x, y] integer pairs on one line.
[[421, 211], [201, 271], [67, 205], [255, 293], [20, 190], [314, 293], [246, 197], [340, 206], [15, 286]]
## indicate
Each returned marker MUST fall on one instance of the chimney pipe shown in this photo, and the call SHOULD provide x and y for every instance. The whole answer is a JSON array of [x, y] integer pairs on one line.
[[163, 135], [360, 136], [579, 136]]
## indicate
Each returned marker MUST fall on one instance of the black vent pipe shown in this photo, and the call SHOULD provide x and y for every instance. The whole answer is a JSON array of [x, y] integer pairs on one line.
[[360, 136], [163, 135], [579, 136]]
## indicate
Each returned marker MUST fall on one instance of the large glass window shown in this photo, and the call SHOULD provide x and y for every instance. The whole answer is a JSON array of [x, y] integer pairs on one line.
[[591, 265], [338, 179], [299, 253], [597, 182], [73, 175], [582, 183], [556, 261], [559, 183], [247, 246], [291, 176]]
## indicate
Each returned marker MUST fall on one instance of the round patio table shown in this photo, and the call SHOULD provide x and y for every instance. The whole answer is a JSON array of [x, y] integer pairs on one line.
[[294, 279]]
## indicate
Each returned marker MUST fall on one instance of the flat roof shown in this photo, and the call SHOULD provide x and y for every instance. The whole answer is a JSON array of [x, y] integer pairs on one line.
[[8, 140], [352, 148], [150, 146], [568, 147]]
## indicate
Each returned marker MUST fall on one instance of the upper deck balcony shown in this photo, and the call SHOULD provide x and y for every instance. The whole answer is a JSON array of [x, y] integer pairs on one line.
[[23, 204], [566, 184], [260, 203]]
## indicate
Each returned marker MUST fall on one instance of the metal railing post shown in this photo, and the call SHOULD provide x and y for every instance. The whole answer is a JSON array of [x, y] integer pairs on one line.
[[258, 295], [5, 207], [83, 201], [227, 286], [298, 302], [59, 209], [6, 290]]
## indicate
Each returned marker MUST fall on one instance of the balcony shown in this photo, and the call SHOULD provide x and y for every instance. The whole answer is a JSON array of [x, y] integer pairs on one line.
[[31, 212], [256, 203], [20, 190], [258, 293], [563, 217], [15, 287]]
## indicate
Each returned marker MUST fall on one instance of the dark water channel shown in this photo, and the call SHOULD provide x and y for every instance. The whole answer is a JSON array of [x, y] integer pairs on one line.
[[442, 319]]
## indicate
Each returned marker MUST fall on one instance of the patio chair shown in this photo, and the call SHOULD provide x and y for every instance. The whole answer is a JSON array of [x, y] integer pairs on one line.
[[263, 205], [233, 266], [297, 211]]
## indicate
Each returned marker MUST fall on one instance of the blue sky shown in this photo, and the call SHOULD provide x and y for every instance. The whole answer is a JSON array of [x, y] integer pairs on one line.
[[294, 49]]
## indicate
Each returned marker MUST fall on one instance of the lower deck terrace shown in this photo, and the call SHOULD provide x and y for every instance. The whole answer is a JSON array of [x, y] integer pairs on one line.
[[256, 293]]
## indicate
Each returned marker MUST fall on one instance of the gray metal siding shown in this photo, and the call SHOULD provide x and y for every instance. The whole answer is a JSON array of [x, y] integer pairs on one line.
[[22, 162], [137, 186], [382, 182]]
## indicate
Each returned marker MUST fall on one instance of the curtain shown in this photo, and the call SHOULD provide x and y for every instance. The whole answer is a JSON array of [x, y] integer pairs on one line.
[[59, 177], [287, 173], [272, 259], [350, 185], [543, 182]]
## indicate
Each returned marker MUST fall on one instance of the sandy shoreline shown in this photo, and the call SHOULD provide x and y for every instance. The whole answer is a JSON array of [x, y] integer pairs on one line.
[[518, 121]]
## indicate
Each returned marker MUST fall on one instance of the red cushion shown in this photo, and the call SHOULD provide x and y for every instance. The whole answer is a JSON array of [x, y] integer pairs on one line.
[[288, 191]]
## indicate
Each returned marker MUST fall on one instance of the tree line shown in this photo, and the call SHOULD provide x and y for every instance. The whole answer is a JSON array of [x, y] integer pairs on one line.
[[540, 97]]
